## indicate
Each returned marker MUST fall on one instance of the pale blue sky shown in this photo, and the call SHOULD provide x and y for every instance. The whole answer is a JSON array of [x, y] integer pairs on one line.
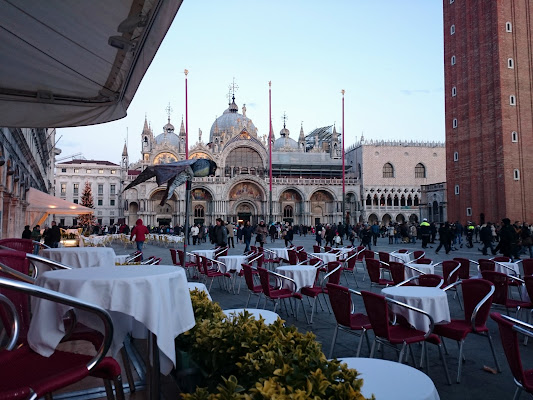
[[386, 54]]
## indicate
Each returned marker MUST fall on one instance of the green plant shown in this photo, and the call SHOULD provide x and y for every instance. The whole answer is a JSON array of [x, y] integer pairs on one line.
[[243, 358]]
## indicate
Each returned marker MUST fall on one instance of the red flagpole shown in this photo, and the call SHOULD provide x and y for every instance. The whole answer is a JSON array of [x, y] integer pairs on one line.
[[270, 145], [343, 170], [186, 119]]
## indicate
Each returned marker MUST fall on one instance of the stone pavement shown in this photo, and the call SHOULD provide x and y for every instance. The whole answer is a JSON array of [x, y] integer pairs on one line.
[[476, 383]]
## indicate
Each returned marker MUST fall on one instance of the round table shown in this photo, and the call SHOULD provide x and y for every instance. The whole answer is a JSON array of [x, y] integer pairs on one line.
[[432, 300], [303, 275], [281, 252], [201, 287], [269, 316], [512, 268], [138, 297], [392, 380], [209, 253], [425, 268], [400, 257], [325, 257], [232, 263], [82, 257]]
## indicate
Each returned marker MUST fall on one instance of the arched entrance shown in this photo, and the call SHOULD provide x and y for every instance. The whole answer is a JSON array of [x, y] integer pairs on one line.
[[161, 214], [321, 207], [245, 199], [290, 203], [245, 211], [202, 205], [386, 220], [372, 218]]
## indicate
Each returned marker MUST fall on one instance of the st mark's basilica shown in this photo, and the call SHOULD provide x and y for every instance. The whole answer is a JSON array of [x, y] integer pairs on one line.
[[306, 185]]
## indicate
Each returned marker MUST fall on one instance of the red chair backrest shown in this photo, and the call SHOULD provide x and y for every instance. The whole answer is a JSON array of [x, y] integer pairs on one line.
[[201, 263], [447, 268], [527, 264], [293, 257], [173, 256], [299, 248], [502, 259], [501, 285], [360, 253], [423, 261], [327, 248], [373, 268], [474, 290], [351, 261], [181, 256], [16, 260], [378, 313], [511, 346], [335, 277], [248, 276], [24, 245], [464, 271], [429, 280], [302, 256], [397, 271], [265, 281], [486, 265], [316, 249], [403, 251], [383, 256], [368, 254], [528, 279], [418, 254], [341, 303]]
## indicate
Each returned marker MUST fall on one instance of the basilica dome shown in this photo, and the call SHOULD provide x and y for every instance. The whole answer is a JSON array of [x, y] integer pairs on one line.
[[232, 123], [170, 138], [284, 142]]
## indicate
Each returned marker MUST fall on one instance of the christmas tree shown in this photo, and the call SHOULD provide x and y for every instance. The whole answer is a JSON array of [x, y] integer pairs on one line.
[[87, 220]]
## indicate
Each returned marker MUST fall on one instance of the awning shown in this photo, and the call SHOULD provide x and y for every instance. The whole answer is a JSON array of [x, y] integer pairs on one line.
[[41, 205], [74, 63]]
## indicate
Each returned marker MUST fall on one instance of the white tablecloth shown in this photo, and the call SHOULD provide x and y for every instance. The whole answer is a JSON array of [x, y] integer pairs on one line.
[[269, 316], [232, 263], [82, 257], [392, 380], [281, 252], [156, 297], [400, 257], [326, 257], [199, 286], [514, 268], [432, 300], [303, 275], [426, 268], [209, 253], [121, 259]]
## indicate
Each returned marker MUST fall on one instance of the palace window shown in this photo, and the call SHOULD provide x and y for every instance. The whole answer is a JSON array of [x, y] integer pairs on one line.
[[388, 171], [456, 189], [510, 63], [76, 188], [516, 174], [454, 91], [514, 136], [420, 171], [508, 27], [452, 29], [199, 211], [100, 189], [453, 60], [63, 189], [288, 212], [456, 156], [512, 100], [454, 123]]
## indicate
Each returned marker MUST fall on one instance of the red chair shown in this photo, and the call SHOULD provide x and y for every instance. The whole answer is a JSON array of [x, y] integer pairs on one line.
[[464, 271], [527, 264], [423, 261], [450, 272], [134, 257], [477, 299], [28, 375], [384, 257], [257, 290], [346, 318], [418, 254], [509, 329], [349, 265], [501, 259], [373, 267], [327, 249], [24, 245], [201, 263], [397, 271], [293, 256], [319, 287], [486, 265], [270, 257], [377, 309], [277, 292], [302, 257], [430, 280], [403, 251], [316, 249], [501, 291]]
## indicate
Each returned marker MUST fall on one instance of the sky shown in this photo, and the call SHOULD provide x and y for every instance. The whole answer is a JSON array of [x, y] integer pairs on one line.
[[386, 54]]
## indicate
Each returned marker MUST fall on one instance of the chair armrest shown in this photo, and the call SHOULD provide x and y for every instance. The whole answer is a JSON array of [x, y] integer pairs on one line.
[[47, 294], [418, 310], [479, 305], [41, 245], [518, 322], [283, 277], [406, 281], [473, 261], [384, 263], [15, 328], [415, 269], [255, 258], [506, 267], [325, 278], [46, 261], [18, 275], [215, 262]]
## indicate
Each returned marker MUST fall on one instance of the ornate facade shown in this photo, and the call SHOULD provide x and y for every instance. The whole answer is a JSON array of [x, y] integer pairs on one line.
[[306, 184]]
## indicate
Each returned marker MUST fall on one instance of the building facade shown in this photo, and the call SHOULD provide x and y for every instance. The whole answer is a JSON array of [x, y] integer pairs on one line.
[[26, 161], [105, 179], [306, 184], [391, 174], [489, 109]]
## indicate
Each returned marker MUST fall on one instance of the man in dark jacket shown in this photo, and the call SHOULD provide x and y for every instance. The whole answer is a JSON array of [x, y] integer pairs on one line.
[[508, 239], [425, 233], [485, 235], [55, 235], [220, 233], [26, 234]]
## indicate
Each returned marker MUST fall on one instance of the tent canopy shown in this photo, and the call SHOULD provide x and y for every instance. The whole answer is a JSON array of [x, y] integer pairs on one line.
[[41, 205], [74, 63]]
